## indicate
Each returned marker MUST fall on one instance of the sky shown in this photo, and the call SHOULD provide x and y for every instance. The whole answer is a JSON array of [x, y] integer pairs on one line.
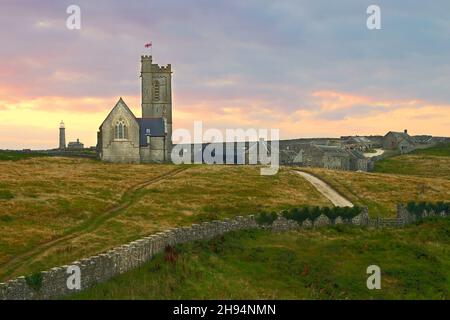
[[308, 68]]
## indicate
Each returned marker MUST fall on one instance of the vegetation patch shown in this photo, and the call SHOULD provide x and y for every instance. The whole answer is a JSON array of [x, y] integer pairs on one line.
[[265, 218], [312, 213], [7, 155], [35, 281], [6, 195], [429, 163], [418, 208], [441, 150], [6, 218]]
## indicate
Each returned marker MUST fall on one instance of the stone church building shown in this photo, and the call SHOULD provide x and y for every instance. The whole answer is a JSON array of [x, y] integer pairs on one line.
[[123, 138]]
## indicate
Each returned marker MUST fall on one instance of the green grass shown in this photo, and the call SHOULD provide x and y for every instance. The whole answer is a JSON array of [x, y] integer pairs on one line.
[[6, 195], [16, 156], [431, 162], [328, 263], [440, 150], [415, 165]]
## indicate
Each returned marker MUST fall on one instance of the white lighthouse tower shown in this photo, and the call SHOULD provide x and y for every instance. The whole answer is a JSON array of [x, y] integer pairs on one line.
[[62, 136]]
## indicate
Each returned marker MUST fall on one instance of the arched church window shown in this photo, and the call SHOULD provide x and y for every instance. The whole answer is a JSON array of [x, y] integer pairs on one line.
[[120, 130], [157, 93]]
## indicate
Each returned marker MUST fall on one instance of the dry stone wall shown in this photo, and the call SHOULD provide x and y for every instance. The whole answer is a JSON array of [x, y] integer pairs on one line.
[[54, 282]]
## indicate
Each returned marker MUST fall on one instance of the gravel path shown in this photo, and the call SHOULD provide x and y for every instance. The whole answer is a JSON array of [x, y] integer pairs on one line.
[[326, 190], [378, 152]]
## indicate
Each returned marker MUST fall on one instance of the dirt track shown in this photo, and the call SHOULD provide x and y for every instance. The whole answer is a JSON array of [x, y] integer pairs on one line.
[[326, 190]]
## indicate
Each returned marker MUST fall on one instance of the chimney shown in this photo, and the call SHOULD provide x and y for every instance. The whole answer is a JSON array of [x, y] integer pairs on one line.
[[406, 131]]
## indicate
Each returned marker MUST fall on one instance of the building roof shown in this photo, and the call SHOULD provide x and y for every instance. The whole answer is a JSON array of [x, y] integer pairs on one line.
[[153, 127], [332, 150], [363, 140], [400, 136]]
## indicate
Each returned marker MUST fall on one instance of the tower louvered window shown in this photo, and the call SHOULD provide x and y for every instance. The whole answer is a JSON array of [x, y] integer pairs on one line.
[[157, 93]]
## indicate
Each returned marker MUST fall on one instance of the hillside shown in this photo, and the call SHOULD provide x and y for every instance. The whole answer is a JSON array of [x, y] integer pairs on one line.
[[381, 192], [326, 263], [432, 162], [57, 210]]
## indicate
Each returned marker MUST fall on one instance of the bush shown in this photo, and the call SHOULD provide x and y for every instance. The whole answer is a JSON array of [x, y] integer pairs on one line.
[[34, 281], [6, 195], [6, 218], [266, 218], [417, 208], [303, 213]]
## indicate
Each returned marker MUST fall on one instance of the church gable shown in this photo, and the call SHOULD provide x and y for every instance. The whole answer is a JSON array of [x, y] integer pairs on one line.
[[119, 135], [120, 112]]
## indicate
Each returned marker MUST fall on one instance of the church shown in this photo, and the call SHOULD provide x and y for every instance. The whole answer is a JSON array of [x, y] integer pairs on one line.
[[123, 138]]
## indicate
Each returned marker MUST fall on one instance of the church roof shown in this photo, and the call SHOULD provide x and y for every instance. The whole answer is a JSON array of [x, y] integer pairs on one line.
[[153, 127]]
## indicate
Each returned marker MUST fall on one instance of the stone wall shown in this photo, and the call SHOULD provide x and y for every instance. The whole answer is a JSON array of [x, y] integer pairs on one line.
[[100, 268]]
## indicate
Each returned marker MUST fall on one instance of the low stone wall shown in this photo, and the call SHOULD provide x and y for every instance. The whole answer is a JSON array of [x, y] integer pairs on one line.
[[54, 282]]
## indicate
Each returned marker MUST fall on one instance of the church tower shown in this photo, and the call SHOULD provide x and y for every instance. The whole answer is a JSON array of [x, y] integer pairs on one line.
[[157, 94], [62, 136]]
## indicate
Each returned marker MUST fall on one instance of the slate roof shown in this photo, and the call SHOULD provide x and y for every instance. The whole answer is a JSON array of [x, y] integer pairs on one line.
[[333, 150], [400, 136], [153, 127]]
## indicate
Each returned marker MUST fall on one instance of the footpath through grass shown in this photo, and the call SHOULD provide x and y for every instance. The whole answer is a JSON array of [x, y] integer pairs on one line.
[[328, 263]]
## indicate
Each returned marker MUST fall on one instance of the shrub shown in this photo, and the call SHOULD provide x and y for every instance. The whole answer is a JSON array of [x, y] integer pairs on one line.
[[6, 218], [6, 195], [302, 213], [266, 218], [418, 208], [34, 281], [315, 213], [170, 255]]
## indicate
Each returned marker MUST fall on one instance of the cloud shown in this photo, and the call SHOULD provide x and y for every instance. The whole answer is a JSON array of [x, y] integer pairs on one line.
[[259, 61]]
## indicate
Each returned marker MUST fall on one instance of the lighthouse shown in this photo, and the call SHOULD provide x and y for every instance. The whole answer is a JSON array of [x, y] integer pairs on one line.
[[62, 136]]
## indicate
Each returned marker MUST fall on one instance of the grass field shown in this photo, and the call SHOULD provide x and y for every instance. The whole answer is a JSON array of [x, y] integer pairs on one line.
[[441, 150], [16, 156], [327, 263], [432, 162], [57, 210]]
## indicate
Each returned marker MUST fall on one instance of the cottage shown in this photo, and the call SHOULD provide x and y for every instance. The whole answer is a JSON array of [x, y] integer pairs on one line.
[[400, 141]]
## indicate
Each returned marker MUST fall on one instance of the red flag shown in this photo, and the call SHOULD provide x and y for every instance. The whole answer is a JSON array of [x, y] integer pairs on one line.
[[148, 45]]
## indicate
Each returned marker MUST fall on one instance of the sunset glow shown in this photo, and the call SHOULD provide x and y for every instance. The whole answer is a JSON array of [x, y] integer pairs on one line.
[[235, 65]]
